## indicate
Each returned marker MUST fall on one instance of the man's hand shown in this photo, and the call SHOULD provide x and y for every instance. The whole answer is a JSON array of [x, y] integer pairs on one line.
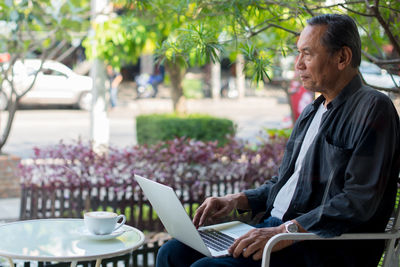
[[217, 207], [254, 241]]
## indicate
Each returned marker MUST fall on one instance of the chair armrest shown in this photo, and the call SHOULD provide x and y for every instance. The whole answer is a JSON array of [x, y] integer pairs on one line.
[[310, 236]]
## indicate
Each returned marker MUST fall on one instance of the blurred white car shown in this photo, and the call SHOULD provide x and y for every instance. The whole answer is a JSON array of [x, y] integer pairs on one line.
[[375, 76], [56, 84]]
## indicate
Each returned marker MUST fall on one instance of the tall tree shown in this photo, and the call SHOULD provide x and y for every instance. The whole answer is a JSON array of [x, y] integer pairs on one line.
[[33, 28]]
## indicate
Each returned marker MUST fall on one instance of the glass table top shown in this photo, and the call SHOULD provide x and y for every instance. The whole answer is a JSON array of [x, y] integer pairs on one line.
[[62, 240]]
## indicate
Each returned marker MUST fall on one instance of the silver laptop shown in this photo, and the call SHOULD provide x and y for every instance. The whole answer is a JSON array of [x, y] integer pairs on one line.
[[212, 241]]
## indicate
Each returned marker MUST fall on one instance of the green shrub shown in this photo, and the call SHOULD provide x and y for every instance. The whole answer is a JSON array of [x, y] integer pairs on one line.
[[279, 133], [153, 128]]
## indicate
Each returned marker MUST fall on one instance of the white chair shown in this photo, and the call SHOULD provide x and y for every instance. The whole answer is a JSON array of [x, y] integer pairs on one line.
[[391, 252]]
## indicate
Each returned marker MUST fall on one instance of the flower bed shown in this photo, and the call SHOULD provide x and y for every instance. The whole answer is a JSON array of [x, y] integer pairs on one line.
[[63, 180]]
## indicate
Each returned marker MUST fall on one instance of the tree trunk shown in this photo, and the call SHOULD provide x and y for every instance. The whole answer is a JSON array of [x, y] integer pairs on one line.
[[11, 109], [176, 73], [240, 77], [216, 79], [13, 99]]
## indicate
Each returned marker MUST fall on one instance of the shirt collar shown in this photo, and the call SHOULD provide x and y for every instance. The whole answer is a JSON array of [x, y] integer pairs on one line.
[[347, 91]]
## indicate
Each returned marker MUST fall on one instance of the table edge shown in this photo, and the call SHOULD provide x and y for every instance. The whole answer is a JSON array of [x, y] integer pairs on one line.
[[73, 258]]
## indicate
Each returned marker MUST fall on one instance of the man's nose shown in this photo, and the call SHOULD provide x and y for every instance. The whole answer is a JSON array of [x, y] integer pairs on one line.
[[299, 64]]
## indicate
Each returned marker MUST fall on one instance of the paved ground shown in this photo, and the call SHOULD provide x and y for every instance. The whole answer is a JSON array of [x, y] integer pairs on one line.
[[9, 209], [251, 114]]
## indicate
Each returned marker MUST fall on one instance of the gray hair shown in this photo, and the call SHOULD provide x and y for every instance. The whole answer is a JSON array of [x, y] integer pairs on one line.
[[342, 31]]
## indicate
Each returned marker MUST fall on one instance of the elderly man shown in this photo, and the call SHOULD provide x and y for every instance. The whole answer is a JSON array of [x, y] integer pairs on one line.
[[338, 174]]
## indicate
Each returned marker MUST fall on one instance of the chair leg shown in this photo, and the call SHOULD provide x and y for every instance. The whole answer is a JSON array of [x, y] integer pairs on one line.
[[390, 257], [396, 255]]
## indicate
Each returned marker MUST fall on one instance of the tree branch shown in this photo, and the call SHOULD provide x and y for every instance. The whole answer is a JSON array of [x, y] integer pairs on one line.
[[379, 61], [395, 90], [275, 26], [356, 12], [372, 40], [309, 11], [349, 3], [67, 53], [391, 9], [57, 49], [375, 9], [19, 96]]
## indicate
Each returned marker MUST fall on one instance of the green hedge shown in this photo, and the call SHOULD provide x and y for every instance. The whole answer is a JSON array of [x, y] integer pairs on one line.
[[153, 128]]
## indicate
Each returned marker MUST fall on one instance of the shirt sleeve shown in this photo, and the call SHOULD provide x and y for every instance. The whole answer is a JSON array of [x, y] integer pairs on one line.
[[258, 197], [373, 166]]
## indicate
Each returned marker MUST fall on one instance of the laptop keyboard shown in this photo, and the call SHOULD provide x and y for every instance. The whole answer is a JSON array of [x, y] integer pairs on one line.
[[216, 240]]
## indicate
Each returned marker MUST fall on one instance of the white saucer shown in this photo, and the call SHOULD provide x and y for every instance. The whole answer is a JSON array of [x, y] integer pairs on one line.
[[84, 232]]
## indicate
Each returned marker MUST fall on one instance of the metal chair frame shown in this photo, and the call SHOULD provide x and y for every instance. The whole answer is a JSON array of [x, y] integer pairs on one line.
[[391, 252]]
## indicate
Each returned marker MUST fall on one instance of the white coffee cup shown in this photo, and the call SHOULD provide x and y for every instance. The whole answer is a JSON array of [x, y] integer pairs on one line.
[[103, 222]]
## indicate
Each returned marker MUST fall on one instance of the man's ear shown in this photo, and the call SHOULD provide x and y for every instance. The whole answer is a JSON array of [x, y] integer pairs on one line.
[[345, 55]]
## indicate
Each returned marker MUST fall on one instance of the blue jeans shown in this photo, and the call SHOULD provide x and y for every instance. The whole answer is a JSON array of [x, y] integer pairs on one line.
[[113, 96], [175, 253], [155, 80]]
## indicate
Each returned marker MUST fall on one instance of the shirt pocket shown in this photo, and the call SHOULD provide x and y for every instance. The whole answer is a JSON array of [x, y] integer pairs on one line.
[[334, 161], [337, 146]]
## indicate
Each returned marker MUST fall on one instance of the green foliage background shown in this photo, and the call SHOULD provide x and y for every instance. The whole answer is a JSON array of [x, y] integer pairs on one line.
[[191, 32], [153, 128]]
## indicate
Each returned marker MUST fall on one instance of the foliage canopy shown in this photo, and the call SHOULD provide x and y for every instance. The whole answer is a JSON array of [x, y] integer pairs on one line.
[[191, 31]]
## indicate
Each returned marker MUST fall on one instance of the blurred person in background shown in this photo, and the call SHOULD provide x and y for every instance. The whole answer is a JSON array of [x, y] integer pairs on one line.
[[114, 79], [157, 78]]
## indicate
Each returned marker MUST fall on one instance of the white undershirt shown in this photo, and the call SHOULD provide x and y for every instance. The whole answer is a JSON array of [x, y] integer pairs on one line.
[[285, 195]]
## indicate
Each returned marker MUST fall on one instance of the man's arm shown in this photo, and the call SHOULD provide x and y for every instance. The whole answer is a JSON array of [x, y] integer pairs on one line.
[[117, 80], [257, 198], [216, 207]]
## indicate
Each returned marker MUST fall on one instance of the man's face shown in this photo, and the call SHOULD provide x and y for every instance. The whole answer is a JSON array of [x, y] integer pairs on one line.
[[317, 68]]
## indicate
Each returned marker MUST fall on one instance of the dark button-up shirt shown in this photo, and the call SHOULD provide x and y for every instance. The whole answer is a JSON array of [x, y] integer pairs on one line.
[[348, 177]]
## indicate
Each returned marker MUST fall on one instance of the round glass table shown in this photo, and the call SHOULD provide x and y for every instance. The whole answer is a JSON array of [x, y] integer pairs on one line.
[[63, 240]]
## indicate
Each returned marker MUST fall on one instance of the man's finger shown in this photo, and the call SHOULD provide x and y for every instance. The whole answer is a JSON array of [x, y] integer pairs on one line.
[[252, 248], [206, 213], [241, 246], [258, 255], [197, 216], [237, 241]]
